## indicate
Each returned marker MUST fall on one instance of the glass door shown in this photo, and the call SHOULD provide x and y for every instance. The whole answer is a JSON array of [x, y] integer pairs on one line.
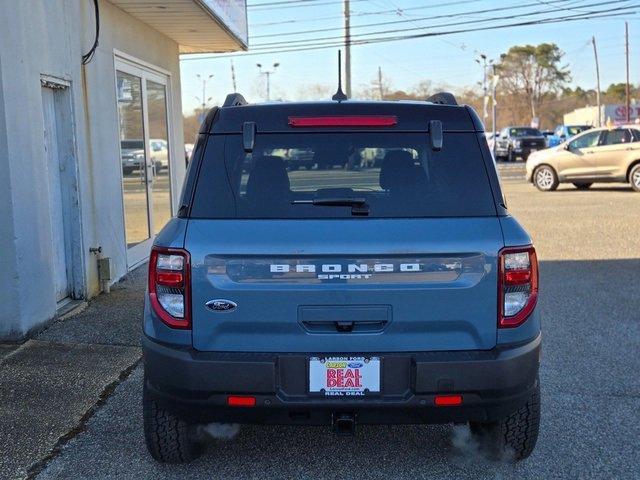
[[144, 156], [156, 96]]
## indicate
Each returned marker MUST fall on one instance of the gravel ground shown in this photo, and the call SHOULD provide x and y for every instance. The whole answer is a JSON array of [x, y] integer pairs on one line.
[[589, 246]]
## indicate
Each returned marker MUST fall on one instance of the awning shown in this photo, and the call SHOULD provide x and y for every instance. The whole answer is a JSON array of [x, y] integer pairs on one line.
[[198, 26]]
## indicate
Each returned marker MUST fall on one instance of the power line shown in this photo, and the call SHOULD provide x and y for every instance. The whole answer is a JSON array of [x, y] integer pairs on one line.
[[365, 14], [283, 2], [308, 3], [354, 38], [421, 35], [404, 20]]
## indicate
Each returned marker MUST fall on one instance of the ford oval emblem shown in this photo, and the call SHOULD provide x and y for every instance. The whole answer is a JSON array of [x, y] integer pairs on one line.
[[221, 305]]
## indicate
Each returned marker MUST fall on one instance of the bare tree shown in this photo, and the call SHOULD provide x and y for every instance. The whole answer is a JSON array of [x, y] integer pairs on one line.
[[315, 91]]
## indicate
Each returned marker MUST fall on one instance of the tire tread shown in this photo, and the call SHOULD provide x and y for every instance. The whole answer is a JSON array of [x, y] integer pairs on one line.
[[168, 438]]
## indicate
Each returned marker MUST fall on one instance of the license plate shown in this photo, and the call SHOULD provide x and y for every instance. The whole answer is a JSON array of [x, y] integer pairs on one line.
[[344, 376]]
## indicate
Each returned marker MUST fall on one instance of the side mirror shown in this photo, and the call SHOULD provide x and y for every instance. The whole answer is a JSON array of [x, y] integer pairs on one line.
[[567, 146], [436, 135]]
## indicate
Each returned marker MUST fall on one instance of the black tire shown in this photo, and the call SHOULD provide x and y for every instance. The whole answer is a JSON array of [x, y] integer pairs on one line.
[[515, 436], [127, 170], [168, 438], [634, 178], [582, 186], [545, 178]]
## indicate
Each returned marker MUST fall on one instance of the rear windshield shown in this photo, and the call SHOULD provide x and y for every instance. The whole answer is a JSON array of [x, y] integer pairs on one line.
[[295, 175]]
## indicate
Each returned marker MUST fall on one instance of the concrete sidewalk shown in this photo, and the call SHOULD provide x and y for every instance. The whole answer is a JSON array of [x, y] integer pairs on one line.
[[52, 384]]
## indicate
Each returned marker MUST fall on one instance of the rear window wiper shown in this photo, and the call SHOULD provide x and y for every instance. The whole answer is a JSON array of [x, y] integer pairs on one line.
[[359, 206]]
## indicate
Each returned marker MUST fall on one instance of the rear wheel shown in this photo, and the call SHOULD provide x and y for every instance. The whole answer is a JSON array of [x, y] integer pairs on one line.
[[515, 436], [545, 178], [583, 186], [168, 438], [634, 178]]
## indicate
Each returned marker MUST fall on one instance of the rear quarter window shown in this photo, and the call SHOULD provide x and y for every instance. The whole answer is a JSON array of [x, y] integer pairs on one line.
[[397, 174]]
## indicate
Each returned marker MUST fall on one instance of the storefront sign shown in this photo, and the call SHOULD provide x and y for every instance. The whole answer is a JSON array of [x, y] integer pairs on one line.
[[233, 14]]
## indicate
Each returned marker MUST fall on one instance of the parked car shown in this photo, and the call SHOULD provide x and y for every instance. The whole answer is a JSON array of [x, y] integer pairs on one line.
[[131, 155], [400, 295], [518, 142], [296, 158], [547, 134], [565, 132], [159, 154], [188, 150], [491, 138], [596, 155]]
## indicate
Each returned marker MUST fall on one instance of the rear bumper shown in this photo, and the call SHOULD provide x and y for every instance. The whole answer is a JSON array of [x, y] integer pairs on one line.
[[195, 385]]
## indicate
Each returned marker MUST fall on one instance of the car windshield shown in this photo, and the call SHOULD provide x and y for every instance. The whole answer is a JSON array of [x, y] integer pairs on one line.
[[316, 175], [524, 132]]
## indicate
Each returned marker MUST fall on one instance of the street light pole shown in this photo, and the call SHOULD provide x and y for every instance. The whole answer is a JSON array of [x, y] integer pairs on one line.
[[482, 61], [268, 74]]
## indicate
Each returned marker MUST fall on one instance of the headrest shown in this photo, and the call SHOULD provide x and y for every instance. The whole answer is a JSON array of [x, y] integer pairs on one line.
[[268, 177], [398, 170]]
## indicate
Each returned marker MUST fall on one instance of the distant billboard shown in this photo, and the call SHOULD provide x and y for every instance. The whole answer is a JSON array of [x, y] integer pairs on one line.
[[618, 113], [233, 14]]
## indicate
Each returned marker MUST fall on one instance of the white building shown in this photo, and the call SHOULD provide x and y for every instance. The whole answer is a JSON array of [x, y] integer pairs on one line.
[[91, 156], [610, 113]]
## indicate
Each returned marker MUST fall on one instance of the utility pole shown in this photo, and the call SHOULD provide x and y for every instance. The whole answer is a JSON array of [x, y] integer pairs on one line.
[[627, 92], [204, 98], [380, 83], [268, 74], [595, 53], [347, 48], [233, 77]]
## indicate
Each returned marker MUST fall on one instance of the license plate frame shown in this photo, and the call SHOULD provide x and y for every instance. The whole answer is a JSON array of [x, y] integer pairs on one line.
[[344, 376]]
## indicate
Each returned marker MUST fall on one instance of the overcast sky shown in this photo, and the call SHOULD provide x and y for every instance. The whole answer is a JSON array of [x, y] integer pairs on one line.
[[446, 59]]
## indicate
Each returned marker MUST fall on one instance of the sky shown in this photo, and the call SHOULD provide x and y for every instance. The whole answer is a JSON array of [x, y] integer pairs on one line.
[[444, 60]]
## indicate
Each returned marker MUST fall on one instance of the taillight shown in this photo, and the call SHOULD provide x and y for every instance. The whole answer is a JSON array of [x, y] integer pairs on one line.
[[169, 286], [517, 285]]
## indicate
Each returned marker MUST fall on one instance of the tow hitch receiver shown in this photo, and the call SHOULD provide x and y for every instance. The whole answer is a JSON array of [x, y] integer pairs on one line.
[[344, 424]]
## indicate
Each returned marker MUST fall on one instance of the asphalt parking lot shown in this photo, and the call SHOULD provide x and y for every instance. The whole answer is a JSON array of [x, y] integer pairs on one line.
[[589, 246]]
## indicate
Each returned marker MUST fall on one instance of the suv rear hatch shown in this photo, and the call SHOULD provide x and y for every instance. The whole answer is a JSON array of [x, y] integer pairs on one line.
[[393, 248]]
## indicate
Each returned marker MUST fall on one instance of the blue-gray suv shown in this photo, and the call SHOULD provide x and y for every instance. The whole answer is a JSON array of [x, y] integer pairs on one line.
[[383, 283]]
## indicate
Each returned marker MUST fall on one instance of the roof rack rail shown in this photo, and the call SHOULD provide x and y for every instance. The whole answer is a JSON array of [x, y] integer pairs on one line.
[[234, 100], [443, 98]]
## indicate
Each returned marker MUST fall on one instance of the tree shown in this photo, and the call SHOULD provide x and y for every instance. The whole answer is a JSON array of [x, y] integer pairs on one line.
[[379, 88], [316, 91], [533, 72], [191, 126]]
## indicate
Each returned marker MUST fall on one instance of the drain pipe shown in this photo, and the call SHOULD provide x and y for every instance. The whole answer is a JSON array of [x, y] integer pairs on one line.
[[104, 269]]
